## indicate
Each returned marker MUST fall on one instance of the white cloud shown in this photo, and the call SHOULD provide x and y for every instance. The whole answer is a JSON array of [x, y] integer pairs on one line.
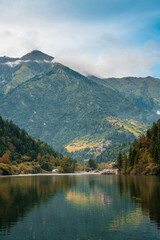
[[158, 112], [102, 48], [126, 61]]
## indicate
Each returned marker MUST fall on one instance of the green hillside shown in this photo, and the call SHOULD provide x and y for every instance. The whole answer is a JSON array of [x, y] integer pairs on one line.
[[72, 113], [144, 92]]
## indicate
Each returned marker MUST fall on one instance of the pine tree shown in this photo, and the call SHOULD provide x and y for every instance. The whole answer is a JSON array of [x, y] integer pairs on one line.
[[119, 161], [155, 154]]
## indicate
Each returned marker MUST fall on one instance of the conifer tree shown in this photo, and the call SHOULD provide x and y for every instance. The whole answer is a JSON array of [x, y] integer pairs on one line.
[[119, 161]]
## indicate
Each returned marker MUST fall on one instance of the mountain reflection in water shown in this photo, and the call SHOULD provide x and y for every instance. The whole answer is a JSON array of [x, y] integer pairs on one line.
[[85, 207]]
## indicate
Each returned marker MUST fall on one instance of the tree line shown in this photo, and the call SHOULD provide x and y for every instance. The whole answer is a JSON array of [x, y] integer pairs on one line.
[[144, 154], [20, 153]]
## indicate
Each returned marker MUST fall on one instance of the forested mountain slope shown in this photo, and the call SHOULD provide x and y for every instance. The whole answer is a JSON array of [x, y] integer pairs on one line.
[[77, 115], [20, 153], [144, 92], [72, 112]]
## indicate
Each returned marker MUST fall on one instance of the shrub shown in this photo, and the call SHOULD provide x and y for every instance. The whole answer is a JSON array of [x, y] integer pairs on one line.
[[66, 165], [15, 170], [5, 169]]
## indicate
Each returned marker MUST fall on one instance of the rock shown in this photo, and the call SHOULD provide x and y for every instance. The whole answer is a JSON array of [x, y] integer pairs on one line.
[[109, 172]]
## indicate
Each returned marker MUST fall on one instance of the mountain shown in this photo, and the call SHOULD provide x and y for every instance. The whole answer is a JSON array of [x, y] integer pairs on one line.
[[73, 113], [144, 92], [36, 55], [14, 71], [144, 154]]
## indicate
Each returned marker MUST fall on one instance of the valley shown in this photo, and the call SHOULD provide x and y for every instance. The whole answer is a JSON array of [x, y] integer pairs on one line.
[[79, 116]]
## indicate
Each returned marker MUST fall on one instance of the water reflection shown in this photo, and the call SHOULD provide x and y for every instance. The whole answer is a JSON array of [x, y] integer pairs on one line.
[[84, 207], [90, 192], [18, 195], [145, 192], [131, 220]]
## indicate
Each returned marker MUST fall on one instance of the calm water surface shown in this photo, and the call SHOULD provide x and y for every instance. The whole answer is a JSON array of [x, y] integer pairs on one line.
[[79, 208]]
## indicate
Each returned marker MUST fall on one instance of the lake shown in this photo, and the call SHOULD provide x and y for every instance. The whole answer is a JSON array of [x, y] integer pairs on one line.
[[86, 207]]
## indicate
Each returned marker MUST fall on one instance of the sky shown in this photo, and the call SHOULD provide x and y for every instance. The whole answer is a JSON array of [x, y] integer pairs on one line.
[[105, 38]]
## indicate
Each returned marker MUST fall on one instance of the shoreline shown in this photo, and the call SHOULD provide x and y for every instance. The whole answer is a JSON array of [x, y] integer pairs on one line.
[[95, 172]]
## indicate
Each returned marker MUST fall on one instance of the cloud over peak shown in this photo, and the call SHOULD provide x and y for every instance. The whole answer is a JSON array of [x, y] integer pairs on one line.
[[103, 38]]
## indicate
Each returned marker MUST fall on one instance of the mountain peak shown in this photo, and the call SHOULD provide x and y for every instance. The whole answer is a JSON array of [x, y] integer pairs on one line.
[[37, 55]]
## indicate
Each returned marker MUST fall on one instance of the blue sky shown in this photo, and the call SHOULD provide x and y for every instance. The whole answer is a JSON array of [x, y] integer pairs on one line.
[[105, 38]]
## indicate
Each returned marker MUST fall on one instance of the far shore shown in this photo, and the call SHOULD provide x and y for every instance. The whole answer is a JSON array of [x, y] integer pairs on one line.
[[78, 173]]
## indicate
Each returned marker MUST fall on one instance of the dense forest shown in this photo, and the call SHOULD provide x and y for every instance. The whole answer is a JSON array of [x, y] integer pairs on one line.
[[144, 154], [20, 153]]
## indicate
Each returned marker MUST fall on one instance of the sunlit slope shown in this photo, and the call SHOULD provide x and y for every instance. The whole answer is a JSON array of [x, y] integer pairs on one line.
[[107, 147], [132, 126]]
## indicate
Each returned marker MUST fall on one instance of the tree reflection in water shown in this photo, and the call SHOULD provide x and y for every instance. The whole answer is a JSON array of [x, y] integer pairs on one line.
[[93, 205], [145, 192], [18, 195]]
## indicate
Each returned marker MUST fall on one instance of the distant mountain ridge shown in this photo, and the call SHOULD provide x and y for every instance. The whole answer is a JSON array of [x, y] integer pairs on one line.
[[7, 59], [31, 56], [143, 92]]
